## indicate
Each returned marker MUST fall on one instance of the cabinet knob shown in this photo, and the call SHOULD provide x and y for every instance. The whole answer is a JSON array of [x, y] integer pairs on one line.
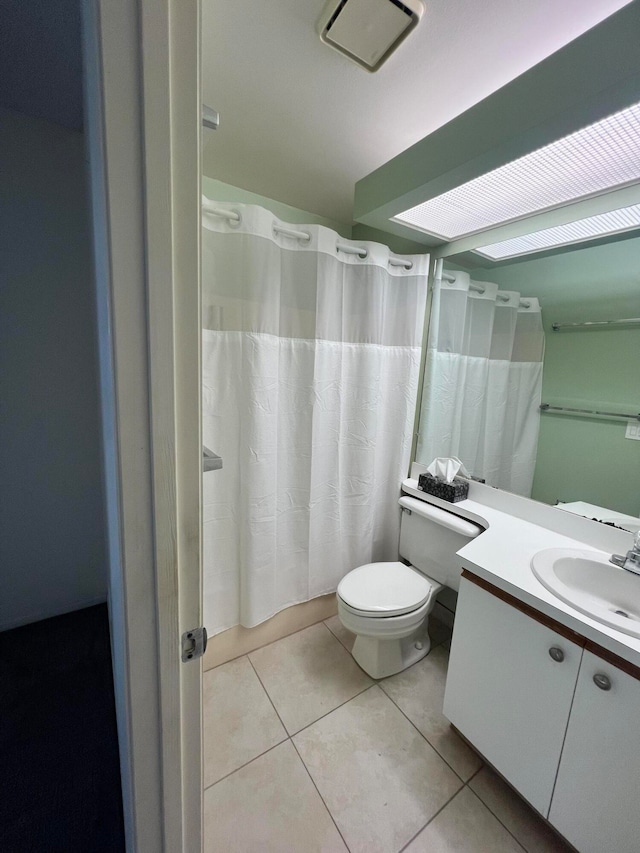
[[602, 681], [556, 654]]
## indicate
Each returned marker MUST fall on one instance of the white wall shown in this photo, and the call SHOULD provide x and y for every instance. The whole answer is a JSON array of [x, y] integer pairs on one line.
[[52, 544]]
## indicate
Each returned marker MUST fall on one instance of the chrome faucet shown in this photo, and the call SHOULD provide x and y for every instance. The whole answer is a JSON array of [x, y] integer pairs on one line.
[[631, 561]]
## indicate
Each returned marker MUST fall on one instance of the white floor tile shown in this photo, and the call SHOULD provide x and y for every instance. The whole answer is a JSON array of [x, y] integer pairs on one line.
[[520, 819], [465, 825], [338, 630], [239, 720], [378, 776], [419, 693], [307, 675], [439, 632], [269, 806]]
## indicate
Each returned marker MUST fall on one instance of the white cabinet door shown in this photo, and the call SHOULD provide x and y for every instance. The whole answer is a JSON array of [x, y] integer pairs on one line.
[[595, 802], [506, 694]]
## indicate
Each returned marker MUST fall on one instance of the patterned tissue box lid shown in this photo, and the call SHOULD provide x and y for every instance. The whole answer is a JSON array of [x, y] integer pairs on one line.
[[452, 492]]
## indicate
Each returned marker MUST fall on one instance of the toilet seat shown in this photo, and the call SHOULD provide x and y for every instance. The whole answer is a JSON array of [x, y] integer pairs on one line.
[[385, 589]]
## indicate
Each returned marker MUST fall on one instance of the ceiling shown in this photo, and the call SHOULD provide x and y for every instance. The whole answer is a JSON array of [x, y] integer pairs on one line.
[[301, 124]]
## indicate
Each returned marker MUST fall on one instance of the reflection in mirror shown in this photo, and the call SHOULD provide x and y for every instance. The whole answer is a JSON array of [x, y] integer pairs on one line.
[[494, 359]]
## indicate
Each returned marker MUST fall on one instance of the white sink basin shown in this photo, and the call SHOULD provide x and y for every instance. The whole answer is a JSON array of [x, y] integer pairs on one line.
[[589, 582]]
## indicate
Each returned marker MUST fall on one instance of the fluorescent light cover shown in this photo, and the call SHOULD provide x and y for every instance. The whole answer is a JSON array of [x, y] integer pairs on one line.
[[601, 225], [588, 162]]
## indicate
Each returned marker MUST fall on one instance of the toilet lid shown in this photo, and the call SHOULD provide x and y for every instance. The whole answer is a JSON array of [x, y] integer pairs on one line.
[[384, 589]]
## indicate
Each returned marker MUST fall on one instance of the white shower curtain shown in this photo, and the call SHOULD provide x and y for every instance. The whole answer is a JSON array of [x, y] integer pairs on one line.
[[483, 381], [310, 370]]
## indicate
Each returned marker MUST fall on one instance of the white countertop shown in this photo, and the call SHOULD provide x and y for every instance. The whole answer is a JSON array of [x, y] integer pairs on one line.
[[502, 556], [601, 513]]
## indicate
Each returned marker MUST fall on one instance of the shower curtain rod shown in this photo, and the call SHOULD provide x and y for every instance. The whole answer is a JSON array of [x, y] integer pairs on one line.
[[479, 289], [589, 324], [546, 407], [360, 251]]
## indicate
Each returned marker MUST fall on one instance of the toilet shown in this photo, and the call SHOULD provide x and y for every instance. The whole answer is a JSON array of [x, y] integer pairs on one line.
[[387, 605]]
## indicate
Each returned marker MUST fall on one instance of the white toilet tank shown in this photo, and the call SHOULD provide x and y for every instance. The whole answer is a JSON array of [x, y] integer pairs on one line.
[[430, 538]]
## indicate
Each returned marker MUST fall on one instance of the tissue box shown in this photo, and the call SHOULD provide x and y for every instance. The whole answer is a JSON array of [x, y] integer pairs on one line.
[[452, 492]]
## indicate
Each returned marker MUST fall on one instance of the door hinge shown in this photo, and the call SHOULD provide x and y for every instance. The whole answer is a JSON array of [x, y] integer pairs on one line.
[[194, 643]]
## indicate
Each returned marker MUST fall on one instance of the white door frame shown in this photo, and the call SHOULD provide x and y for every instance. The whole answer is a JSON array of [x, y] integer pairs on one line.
[[142, 120]]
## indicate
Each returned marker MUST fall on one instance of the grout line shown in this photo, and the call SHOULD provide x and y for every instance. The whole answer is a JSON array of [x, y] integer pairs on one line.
[[433, 646], [297, 631], [497, 817], [291, 734], [297, 732], [473, 775], [346, 702], [313, 782], [247, 763], [218, 665], [284, 739], [422, 734], [264, 645], [433, 817], [336, 636], [503, 825], [290, 739], [269, 697], [339, 641]]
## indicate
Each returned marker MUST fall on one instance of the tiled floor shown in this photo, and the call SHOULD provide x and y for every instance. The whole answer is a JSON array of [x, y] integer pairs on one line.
[[304, 752]]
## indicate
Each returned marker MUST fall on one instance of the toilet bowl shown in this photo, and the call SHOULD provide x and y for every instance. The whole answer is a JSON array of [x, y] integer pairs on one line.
[[387, 604]]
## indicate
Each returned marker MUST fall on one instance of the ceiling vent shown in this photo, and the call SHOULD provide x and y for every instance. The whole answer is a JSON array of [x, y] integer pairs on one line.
[[368, 31]]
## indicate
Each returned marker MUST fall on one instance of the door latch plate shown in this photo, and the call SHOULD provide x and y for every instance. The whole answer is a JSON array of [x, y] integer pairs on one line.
[[194, 643]]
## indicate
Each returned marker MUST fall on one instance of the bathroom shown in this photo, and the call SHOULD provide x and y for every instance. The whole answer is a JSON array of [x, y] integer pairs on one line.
[[314, 709], [303, 643]]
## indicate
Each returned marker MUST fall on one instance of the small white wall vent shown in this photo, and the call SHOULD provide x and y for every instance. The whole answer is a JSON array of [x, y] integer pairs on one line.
[[368, 31]]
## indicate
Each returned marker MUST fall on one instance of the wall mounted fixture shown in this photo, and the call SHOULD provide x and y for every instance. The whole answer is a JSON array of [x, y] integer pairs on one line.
[[624, 416], [597, 324], [595, 159], [552, 159], [589, 228], [210, 118], [368, 31]]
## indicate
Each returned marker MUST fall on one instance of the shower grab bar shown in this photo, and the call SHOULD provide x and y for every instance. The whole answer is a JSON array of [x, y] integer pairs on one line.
[[398, 262], [589, 324], [479, 289], [546, 407], [360, 251], [291, 232]]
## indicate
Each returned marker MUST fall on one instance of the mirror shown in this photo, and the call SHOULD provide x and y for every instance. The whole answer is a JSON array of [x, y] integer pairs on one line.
[[483, 405]]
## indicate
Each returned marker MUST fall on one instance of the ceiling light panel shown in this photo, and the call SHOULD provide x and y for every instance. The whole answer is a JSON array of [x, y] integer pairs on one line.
[[602, 225], [590, 161]]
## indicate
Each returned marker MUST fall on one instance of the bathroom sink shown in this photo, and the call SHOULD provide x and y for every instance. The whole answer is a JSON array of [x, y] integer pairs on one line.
[[589, 582]]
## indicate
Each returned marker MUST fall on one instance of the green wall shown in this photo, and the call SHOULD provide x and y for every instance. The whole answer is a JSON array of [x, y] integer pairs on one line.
[[582, 458], [220, 191], [400, 245]]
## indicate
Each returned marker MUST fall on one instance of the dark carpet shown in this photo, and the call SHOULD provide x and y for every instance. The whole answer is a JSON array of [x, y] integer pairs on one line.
[[59, 769]]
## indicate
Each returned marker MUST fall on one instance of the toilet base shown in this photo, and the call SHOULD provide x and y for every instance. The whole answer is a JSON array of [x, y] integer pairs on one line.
[[380, 658]]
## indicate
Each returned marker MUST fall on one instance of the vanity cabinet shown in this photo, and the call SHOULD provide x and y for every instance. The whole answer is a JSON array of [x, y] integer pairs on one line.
[[509, 688], [597, 794], [556, 715]]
